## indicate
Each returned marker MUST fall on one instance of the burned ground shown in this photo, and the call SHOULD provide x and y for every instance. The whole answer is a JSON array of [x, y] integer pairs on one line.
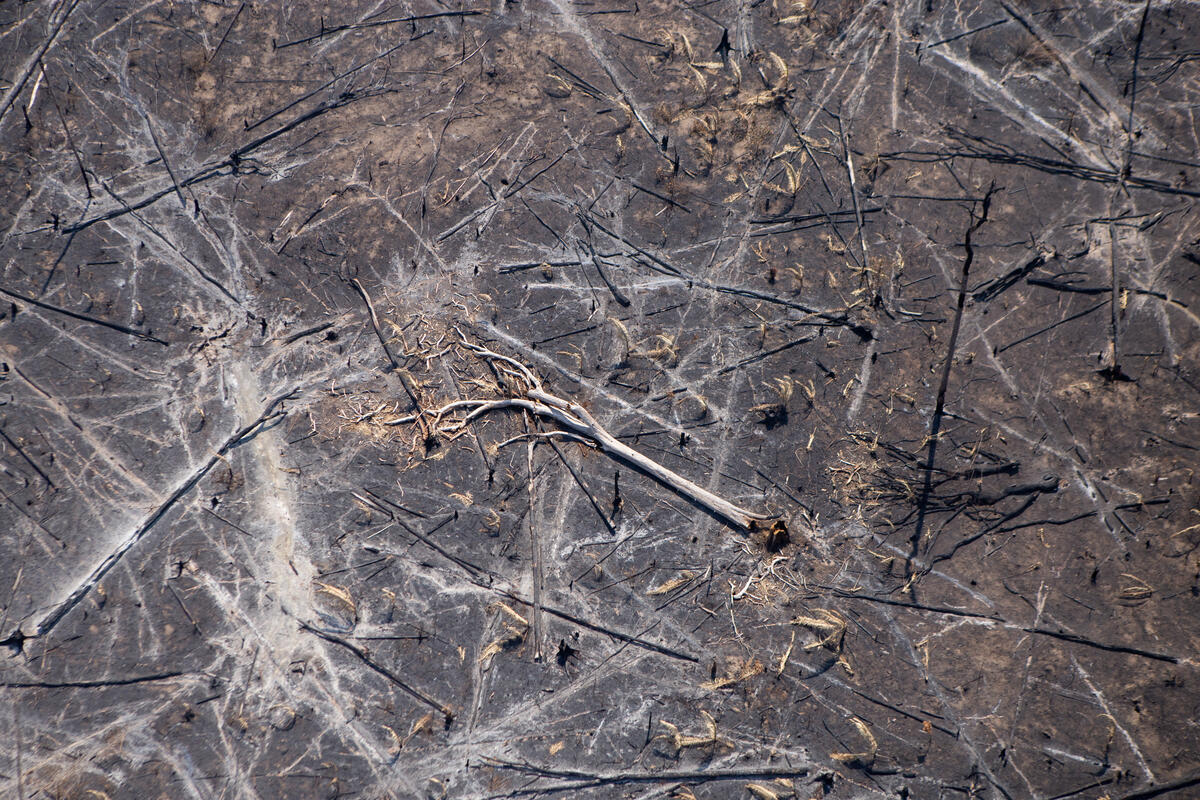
[[918, 279]]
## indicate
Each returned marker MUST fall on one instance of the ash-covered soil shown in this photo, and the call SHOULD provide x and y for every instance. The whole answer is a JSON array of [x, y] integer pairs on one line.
[[917, 279]]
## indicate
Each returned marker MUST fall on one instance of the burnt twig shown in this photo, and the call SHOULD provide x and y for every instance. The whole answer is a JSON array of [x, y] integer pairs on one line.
[[365, 657], [935, 425], [33, 301]]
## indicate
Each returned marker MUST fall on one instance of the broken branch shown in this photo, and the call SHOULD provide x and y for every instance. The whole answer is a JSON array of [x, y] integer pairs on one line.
[[527, 394]]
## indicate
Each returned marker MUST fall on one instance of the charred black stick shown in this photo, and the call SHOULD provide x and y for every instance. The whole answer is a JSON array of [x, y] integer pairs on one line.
[[365, 657], [116, 326], [935, 425]]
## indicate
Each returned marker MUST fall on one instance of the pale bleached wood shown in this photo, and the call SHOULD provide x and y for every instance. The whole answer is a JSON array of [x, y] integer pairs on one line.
[[531, 397]]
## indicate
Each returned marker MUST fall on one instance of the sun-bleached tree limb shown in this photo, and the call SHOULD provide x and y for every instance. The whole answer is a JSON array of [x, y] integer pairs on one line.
[[526, 393]]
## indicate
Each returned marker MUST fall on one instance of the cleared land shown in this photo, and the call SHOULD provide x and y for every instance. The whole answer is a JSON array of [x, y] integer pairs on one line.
[[917, 279]]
